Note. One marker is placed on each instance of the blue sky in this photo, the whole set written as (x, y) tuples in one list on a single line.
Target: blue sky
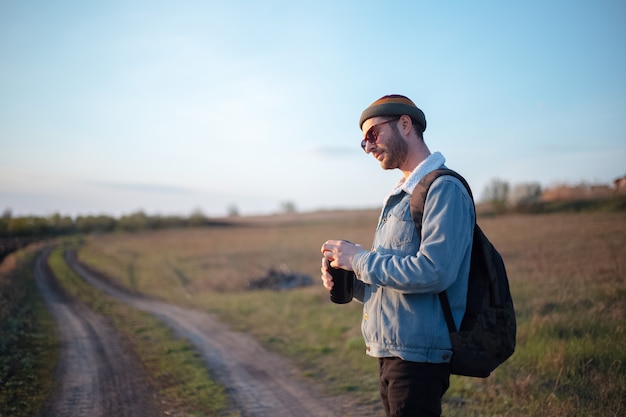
[(170, 107)]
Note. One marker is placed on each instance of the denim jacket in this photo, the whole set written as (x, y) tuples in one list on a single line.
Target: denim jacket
[(398, 280)]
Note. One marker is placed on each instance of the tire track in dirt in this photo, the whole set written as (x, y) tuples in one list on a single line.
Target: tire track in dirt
[(261, 384), (96, 375)]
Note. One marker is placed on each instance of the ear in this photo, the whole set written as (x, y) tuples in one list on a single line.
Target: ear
[(406, 124)]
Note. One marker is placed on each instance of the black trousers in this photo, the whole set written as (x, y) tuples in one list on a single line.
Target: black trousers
[(412, 389)]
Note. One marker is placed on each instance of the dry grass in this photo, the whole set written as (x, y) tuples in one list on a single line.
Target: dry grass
[(568, 279), (223, 259)]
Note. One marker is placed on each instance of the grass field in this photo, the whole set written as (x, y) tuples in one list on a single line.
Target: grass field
[(568, 279)]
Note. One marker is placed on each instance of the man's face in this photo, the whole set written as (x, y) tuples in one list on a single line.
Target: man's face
[(385, 142)]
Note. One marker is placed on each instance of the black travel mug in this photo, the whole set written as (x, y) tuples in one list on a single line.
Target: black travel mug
[(341, 293)]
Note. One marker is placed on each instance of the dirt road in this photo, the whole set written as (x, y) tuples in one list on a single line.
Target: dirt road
[(260, 383), (96, 375)]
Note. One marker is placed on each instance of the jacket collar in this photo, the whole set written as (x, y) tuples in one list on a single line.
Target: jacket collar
[(432, 162)]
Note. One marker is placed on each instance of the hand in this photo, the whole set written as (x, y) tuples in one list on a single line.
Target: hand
[(340, 253), (327, 279)]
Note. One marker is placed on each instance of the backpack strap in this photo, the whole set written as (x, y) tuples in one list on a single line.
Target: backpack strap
[(418, 197), (447, 311), (418, 200)]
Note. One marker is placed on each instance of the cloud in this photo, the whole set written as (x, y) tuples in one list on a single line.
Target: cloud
[(143, 187), (333, 151)]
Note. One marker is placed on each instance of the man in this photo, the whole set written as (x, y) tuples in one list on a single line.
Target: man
[(398, 280)]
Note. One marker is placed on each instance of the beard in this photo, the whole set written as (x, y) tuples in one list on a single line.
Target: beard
[(396, 151)]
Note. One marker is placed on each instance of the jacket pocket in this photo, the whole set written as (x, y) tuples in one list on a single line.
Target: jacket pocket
[(399, 230)]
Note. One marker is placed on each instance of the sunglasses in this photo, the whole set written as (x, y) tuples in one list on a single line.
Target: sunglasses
[(372, 133)]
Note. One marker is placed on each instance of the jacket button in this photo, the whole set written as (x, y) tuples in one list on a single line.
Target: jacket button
[(365, 316), (446, 357), (367, 348)]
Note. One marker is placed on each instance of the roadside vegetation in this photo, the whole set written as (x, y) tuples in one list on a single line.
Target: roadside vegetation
[(28, 348)]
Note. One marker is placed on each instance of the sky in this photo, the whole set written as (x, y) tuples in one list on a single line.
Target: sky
[(173, 107)]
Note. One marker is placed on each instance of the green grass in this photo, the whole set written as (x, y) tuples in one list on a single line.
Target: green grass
[(178, 371), (568, 279), (28, 346)]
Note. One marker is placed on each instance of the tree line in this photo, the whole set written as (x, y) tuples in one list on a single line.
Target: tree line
[(498, 194), (502, 197), (58, 225)]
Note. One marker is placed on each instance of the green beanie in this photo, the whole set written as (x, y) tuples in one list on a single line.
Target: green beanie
[(394, 105)]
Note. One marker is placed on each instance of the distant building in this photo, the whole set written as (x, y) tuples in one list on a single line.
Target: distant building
[(619, 185), (583, 191), (577, 192)]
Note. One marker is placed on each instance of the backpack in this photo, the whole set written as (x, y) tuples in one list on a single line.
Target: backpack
[(486, 337)]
